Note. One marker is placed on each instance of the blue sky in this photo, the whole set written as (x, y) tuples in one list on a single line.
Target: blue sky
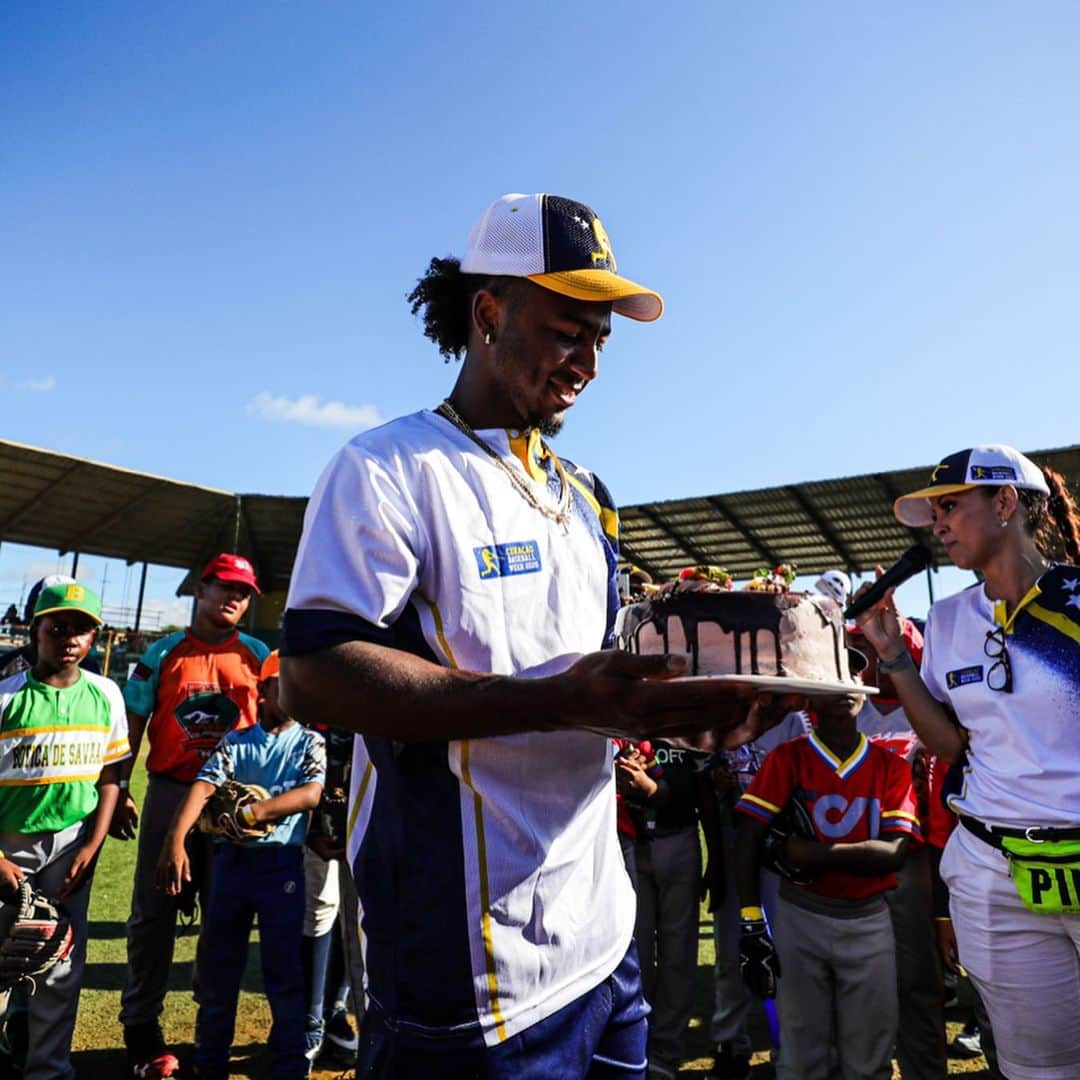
[(863, 219)]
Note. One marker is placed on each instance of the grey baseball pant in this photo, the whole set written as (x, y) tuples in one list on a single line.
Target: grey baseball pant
[(151, 927), (837, 990), (669, 882), (45, 859)]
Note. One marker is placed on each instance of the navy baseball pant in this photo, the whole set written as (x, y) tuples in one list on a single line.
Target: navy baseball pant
[(263, 881)]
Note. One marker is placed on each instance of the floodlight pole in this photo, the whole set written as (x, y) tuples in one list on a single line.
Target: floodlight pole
[(142, 592)]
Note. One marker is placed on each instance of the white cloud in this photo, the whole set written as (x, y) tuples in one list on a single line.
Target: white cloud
[(39, 386), (307, 409), (175, 612)]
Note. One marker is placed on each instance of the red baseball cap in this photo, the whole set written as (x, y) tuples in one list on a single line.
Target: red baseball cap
[(226, 567)]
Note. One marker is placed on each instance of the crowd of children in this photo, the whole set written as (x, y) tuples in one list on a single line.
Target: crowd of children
[(843, 994), (823, 837), (207, 701), (836, 931)]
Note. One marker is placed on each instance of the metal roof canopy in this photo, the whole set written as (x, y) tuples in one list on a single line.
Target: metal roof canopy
[(53, 500), (845, 523)]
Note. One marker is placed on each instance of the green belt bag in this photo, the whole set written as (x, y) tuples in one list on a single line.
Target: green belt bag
[(1046, 873)]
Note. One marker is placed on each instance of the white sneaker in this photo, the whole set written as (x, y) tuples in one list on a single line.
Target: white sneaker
[(968, 1044)]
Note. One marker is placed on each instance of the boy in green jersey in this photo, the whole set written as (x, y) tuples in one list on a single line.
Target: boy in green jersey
[(62, 732)]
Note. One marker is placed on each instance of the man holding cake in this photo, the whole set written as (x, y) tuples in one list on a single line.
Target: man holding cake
[(454, 585)]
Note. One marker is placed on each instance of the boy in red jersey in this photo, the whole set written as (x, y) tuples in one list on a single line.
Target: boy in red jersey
[(834, 949), (188, 691)]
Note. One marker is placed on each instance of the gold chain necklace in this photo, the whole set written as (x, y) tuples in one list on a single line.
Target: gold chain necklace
[(561, 516)]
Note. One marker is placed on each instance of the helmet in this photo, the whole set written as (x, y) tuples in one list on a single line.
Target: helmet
[(46, 582), (834, 584)]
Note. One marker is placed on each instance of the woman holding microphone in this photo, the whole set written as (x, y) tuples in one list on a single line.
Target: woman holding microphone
[(998, 695)]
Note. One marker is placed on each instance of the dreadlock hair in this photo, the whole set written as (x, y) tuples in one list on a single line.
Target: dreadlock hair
[(445, 294), (1053, 520)]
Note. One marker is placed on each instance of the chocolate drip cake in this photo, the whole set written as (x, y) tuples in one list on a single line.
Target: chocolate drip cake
[(786, 634)]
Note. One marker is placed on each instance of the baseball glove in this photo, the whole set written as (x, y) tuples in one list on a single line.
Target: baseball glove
[(331, 816), (221, 814), (792, 820), (39, 937)]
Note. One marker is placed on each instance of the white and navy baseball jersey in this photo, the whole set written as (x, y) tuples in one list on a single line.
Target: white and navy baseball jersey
[(1023, 751), (491, 883)]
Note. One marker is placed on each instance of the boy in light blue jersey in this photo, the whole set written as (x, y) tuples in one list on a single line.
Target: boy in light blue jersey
[(262, 876)]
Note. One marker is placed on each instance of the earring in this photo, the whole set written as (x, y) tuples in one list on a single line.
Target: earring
[(487, 338), (1004, 523)]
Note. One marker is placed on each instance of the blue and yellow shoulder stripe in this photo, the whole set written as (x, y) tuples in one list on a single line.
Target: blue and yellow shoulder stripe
[(1058, 601)]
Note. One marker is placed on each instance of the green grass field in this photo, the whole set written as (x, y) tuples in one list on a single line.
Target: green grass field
[(98, 1046)]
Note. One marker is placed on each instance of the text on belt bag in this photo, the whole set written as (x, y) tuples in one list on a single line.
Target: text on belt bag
[(1046, 874)]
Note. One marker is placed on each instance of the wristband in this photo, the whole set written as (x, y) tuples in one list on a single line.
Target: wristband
[(751, 914), (247, 816), (899, 664)]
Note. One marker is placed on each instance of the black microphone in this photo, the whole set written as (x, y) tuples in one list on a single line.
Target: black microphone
[(913, 560)]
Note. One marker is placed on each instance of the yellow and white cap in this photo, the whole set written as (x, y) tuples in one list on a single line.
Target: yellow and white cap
[(980, 466), (559, 244)]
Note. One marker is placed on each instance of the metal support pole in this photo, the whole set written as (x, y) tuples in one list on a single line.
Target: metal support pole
[(142, 592), (930, 583), (75, 565)]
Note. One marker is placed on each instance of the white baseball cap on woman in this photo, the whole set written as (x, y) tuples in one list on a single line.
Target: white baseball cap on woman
[(979, 466)]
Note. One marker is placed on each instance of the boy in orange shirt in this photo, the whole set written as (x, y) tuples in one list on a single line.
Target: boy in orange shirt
[(189, 690)]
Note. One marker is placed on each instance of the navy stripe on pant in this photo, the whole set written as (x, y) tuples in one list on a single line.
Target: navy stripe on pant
[(263, 881)]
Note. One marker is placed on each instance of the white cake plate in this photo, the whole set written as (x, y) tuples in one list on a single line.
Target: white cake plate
[(780, 684)]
